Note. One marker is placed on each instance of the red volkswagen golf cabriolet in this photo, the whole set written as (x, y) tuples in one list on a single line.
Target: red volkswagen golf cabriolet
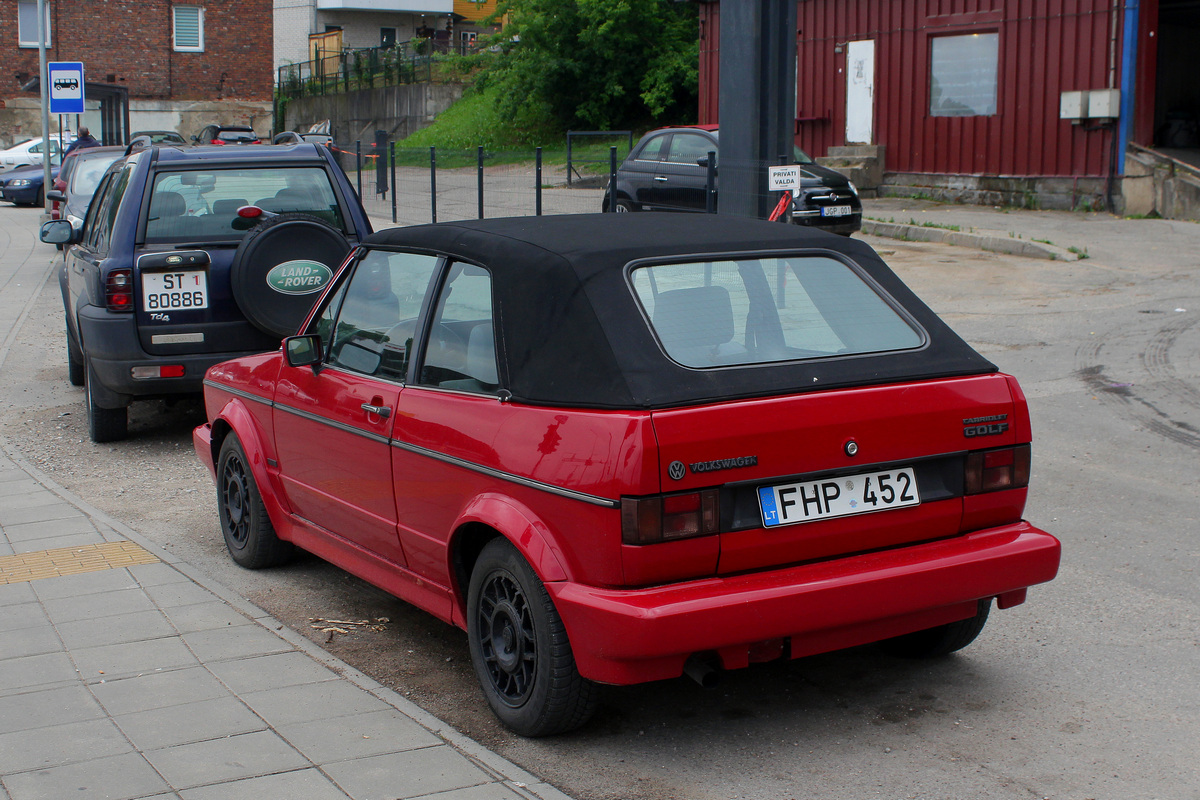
[(615, 448)]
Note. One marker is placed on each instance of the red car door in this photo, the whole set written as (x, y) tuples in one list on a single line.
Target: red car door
[(331, 431), (333, 424)]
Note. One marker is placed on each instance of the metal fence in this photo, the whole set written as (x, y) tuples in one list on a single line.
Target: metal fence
[(355, 69), (410, 186)]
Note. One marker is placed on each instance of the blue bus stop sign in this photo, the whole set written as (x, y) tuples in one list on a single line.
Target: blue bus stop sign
[(66, 87)]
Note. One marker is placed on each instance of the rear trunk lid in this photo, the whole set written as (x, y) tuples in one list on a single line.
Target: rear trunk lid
[(824, 474)]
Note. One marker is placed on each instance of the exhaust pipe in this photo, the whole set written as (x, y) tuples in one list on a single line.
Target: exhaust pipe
[(702, 671)]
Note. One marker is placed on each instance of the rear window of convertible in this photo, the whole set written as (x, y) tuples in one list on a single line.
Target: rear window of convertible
[(762, 310), (202, 204)]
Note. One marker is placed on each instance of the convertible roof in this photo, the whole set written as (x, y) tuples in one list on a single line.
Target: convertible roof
[(572, 333)]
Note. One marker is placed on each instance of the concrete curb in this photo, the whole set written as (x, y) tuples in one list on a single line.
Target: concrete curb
[(995, 242)]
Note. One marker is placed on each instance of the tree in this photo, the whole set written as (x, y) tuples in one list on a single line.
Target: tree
[(600, 64)]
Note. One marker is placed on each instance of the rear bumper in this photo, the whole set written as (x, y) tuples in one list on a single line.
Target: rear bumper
[(636, 635), (113, 349)]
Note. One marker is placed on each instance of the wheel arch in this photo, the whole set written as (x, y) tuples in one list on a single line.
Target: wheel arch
[(237, 420), (488, 517)]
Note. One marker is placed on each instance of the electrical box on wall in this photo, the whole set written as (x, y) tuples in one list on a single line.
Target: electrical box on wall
[(1104, 104), (1073, 105)]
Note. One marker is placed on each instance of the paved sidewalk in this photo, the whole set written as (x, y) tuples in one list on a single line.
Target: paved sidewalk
[(126, 674), (122, 675)]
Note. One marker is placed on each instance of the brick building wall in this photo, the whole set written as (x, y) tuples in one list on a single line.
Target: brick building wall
[(129, 43)]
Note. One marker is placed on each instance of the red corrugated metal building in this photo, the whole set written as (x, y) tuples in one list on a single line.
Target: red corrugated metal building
[(953, 89)]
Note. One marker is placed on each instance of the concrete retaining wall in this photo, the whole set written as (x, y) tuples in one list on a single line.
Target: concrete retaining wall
[(355, 116)]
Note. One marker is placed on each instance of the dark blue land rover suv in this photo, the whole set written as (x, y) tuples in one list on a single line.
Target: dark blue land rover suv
[(190, 256)]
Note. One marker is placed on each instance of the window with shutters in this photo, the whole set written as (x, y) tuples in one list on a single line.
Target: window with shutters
[(189, 28)]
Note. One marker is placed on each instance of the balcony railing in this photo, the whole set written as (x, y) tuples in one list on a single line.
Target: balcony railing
[(348, 70)]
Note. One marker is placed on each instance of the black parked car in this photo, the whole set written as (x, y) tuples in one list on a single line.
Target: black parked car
[(227, 134), (192, 256), (668, 171)]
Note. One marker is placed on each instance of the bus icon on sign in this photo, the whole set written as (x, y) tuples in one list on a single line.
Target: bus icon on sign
[(66, 84)]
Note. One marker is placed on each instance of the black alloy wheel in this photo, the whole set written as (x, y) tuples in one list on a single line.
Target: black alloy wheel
[(506, 638), (249, 535), (520, 650)]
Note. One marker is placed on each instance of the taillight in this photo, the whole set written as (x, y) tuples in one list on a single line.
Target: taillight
[(118, 290), (217, 141), (994, 470), (665, 518)]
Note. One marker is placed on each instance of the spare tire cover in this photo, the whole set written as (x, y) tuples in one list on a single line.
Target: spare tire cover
[(281, 267)]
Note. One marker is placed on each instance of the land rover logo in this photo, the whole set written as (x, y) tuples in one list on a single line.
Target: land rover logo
[(299, 277), (174, 259), (676, 470)]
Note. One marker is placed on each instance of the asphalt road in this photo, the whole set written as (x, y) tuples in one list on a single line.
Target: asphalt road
[(1089, 690)]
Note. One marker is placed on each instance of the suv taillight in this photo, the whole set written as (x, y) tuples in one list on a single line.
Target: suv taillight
[(665, 518), (118, 290), (994, 470)]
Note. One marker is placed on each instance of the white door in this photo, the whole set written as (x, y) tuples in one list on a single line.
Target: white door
[(860, 91)]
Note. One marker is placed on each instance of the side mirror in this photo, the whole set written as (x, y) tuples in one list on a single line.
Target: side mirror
[(58, 231), (56, 195), (302, 351)]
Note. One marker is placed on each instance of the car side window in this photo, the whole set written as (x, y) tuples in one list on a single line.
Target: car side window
[(688, 148), (652, 151), (376, 313), (108, 212), (102, 214), (461, 352), (93, 213)]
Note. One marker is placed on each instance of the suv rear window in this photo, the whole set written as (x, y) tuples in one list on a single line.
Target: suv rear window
[(236, 137), (199, 205), (762, 310)]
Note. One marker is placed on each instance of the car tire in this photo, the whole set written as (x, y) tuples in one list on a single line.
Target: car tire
[(75, 367), (623, 206), (278, 240), (40, 201), (104, 424), (942, 640), (249, 535), (520, 650)]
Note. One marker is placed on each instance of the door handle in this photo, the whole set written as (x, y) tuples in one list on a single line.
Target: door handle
[(660, 178), (383, 411)]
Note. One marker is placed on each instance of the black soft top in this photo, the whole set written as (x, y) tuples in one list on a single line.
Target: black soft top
[(571, 331)]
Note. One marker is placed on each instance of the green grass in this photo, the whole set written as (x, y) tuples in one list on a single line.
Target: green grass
[(474, 120)]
